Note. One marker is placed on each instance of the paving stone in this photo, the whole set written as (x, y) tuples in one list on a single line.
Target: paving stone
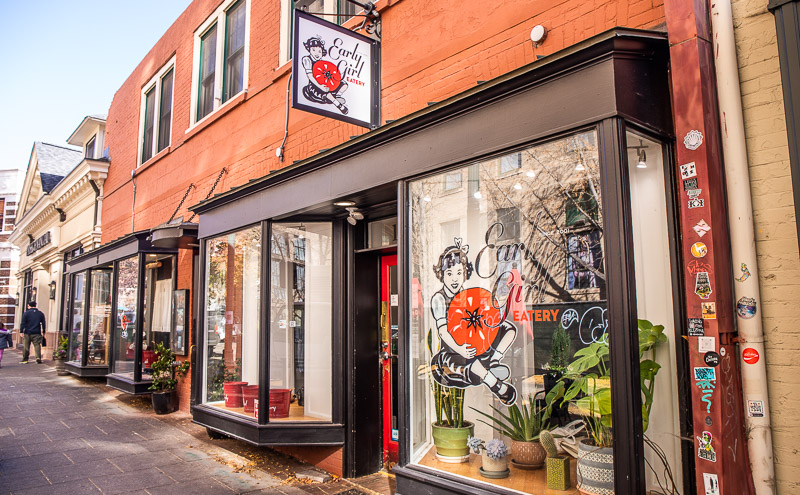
[(138, 462), (13, 452), (186, 471), (189, 455), (82, 471), (241, 481), (313, 475), (32, 463), (22, 480), (136, 480), (59, 446), (203, 486), (81, 487)]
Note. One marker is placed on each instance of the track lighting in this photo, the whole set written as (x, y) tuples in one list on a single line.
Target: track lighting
[(354, 215)]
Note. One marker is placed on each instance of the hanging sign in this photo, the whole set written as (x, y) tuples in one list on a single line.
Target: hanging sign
[(336, 72)]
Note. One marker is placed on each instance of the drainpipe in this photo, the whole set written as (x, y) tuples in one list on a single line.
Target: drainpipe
[(743, 251), (96, 196), (133, 201)]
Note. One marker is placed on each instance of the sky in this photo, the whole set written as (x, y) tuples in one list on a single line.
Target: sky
[(64, 59)]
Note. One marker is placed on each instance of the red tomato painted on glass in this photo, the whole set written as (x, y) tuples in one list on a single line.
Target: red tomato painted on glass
[(326, 74), (472, 319), (750, 355)]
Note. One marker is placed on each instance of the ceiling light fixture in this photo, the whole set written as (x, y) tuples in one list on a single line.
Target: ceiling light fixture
[(354, 215), (530, 173), (344, 203), (579, 167), (517, 186), (641, 155)]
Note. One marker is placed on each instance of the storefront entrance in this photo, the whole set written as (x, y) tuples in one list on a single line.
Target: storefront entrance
[(388, 358)]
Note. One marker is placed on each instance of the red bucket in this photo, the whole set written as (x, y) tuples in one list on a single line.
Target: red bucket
[(233, 393), (249, 396), (279, 402)]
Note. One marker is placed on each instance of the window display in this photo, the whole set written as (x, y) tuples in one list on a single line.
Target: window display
[(127, 301), (76, 322), (158, 286), (301, 261), (509, 284), (99, 317), (232, 316)]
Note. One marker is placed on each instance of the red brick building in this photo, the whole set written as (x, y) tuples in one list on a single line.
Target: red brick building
[(522, 143)]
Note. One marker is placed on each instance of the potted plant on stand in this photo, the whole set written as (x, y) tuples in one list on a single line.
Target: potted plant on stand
[(494, 457), (590, 395), (523, 426), (60, 355), (165, 372)]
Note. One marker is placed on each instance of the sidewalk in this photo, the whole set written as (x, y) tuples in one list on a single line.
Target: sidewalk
[(65, 435)]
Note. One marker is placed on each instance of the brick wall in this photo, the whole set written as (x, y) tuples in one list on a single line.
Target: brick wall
[(776, 237)]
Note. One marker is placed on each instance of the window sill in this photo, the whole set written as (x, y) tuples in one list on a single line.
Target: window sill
[(153, 159), (215, 115)]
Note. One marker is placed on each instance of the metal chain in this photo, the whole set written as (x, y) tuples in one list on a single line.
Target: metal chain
[(214, 186), (181, 203)]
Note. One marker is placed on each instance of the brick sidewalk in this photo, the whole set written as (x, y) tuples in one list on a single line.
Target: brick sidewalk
[(65, 435)]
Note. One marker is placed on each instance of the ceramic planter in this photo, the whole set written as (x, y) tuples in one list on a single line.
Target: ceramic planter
[(595, 469), (528, 454), (451, 443), (493, 468), (558, 473), (60, 370), (165, 402)]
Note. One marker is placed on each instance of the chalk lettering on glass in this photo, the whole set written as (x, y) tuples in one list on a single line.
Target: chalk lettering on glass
[(591, 326)]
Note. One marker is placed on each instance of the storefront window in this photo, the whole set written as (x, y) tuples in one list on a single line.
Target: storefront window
[(99, 317), (232, 316), (508, 283), (76, 338), (654, 300), (301, 256), (158, 286), (125, 332)]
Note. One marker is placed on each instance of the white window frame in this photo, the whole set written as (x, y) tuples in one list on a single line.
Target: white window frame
[(330, 7), (218, 18), (155, 82), (93, 141)]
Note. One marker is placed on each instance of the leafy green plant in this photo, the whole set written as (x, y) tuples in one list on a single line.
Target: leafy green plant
[(590, 390), (166, 369), (448, 402), (523, 424), (560, 351), (62, 349)]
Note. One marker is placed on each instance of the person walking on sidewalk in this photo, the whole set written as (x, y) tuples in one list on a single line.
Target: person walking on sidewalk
[(5, 339), (33, 326)]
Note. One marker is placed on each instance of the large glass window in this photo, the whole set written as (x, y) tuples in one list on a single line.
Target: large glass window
[(99, 317), (232, 315), (300, 348), (208, 62), (157, 322), (127, 300), (76, 321), (234, 51), (156, 124), (506, 291)]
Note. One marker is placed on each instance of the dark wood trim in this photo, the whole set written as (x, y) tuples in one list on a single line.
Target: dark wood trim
[(199, 341), (137, 355), (265, 331), (112, 339), (419, 480), (787, 27), (626, 395), (124, 384), (86, 371), (339, 320), (403, 330)]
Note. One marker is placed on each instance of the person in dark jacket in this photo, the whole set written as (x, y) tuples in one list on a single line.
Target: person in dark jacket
[(33, 327), (5, 339)]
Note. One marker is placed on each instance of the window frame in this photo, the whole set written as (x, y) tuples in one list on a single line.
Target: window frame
[(155, 84), (287, 24), (91, 142), (219, 19)]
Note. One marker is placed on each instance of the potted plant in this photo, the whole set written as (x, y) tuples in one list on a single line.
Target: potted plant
[(60, 355), (494, 457), (590, 394), (557, 465), (165, 372), (450, 431), (554, 371), (523, 426)]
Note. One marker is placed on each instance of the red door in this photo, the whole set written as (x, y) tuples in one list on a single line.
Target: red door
[(388, 355)]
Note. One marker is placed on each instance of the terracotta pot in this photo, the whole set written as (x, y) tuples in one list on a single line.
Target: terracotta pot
[(595, 471), (451, 443), (530, 454)]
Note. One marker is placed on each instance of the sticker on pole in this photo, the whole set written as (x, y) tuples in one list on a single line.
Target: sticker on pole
[(705, 449), (755, 408), (693, 140), (711, 484), (746, 307), (750, 355)]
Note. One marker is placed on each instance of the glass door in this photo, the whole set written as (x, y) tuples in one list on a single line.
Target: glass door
[(388, 357)]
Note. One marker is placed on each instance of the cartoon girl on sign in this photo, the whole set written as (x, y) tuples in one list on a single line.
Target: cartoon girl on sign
[(325, 84), (472, 331)]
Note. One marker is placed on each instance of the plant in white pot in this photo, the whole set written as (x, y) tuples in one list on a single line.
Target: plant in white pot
[(590, 395), (494, 457)]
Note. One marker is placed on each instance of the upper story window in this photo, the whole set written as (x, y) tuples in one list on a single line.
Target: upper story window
[(221, 46), (339, 12), (156, 120), (89, 148)]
